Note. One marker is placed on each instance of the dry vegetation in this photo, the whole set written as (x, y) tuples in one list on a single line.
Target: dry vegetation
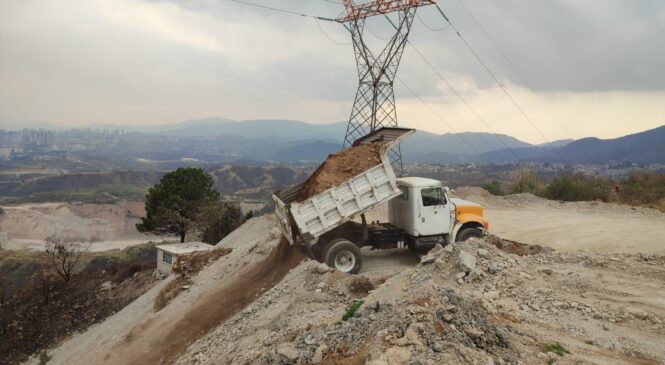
[(640, 188), (40, 305)]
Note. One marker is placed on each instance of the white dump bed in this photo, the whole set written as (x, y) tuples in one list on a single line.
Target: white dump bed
[(307, 220)]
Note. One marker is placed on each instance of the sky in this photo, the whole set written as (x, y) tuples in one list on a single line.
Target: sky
[(592, 68)]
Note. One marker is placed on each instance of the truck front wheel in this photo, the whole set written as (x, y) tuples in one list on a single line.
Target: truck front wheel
[(344, 256), (467, 233)]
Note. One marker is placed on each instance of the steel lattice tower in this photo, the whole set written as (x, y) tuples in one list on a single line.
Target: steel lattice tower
[(374, 104)]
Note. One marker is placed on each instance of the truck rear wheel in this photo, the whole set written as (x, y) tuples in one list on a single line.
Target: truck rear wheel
[(344, 256), (467, 233)]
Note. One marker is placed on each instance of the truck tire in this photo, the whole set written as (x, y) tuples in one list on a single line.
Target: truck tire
[(467, 233), (344, 256)]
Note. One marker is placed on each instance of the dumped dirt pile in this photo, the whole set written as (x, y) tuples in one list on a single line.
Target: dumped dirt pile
[(516, 248), (190, 265), (207, 313), (341, 166)]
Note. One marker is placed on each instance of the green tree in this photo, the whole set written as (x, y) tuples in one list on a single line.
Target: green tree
[(494, 187), (178, 203)]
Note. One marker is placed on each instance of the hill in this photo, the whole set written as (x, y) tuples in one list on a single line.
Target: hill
[(644, 148), (225, 140), (647, 147)]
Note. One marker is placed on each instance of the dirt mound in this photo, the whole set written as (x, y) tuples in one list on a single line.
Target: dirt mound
[(517, 248), (215, 307), (341, 166), (190, 265)]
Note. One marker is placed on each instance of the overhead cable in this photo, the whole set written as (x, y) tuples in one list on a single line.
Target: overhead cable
[(512, 65), (459, 96), (283, 10), (503, 88), (444, 121)]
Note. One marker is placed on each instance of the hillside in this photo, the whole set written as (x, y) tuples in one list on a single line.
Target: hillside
[(467, 303)]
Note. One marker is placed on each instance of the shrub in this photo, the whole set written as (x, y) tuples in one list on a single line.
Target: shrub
[(44, 358), (527, 182), (643, 188), (555, 347), (494, 187), (578, 187), (352, 309)]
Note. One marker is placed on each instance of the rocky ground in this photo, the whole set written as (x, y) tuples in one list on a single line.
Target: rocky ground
[(466, 303)]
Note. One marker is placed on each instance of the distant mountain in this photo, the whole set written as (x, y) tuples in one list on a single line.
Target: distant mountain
[(646, 147), (220, 139), (467, 143), (310, 151)]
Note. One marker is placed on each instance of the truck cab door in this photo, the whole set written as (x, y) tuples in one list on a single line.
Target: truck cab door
[(434, 212)]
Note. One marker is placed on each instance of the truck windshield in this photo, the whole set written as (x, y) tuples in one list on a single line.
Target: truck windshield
[(433, 196)]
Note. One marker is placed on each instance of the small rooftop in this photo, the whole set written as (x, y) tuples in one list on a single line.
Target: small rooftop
[(184, 248)]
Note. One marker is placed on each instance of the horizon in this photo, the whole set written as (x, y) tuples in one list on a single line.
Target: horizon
[(166, 61), (115, 126)]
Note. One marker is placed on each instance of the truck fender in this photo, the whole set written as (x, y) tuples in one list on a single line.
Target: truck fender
[(468, 222)]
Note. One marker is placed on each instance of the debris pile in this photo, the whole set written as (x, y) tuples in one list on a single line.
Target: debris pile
[(465, 303)]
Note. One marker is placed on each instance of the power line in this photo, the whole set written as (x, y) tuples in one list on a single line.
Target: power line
[(375, 35), (328, 36), (459, 96), (460, 136), (503, 88), (512, 65), (283, 10), (431, 28)]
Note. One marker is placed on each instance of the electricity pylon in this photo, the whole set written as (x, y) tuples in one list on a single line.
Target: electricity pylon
[(374, 105)]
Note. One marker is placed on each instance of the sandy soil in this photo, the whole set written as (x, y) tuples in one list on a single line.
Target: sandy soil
[(596, 227), (107, 226)]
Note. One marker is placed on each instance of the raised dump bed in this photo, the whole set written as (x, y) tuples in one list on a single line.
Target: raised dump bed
[(303, 219)]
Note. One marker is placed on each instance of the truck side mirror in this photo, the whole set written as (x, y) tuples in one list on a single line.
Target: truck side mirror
[(446, 189)]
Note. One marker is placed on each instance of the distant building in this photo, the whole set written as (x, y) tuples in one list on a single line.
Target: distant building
[(168, 254)]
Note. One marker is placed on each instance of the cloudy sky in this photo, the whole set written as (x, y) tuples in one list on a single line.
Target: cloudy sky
[(596, 66)]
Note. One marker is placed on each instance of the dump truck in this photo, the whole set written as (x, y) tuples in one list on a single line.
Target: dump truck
[(421, 213)]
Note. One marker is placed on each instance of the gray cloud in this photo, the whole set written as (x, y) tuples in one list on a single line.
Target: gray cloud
[(123, 60)]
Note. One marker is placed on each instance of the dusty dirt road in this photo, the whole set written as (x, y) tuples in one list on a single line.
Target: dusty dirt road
[(596, 227)]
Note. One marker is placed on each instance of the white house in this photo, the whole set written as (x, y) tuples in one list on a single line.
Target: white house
[(167, 254)]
